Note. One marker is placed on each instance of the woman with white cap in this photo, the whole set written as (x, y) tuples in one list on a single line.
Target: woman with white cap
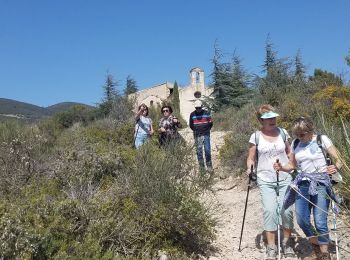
[(265, 147)]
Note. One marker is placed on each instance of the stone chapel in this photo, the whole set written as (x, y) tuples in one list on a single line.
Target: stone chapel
[(187, 94)]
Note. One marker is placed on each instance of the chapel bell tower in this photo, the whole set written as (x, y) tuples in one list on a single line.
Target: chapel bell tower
[(197, 81)]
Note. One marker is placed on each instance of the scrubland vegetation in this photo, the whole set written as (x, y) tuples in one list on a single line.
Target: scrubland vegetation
[(83, 192), (73, 186), (324, 97)]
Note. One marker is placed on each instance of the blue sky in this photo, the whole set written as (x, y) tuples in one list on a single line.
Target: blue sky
[(54, 51)]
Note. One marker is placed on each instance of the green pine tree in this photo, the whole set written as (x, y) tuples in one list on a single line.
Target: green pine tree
[(110, 94), (131, 86), (221, 80), (323, 78), (347, 59), (277, 81), (299, 67), (239, 93)]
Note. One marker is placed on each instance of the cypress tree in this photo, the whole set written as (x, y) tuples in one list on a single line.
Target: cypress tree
[(176, 99)]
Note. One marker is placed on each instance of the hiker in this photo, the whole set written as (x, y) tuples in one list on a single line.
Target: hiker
[(143, 127), (313, 183), (168, 126), (201, 123), (265, 146)]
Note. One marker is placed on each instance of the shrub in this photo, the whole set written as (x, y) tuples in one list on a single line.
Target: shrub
[(75, 114), (90, 202), (334, 101), (234, 152)]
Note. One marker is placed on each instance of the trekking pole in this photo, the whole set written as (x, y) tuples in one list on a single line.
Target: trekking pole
[(335, 229), (137, 131), (329, 162), (252, 177), (278, 214)]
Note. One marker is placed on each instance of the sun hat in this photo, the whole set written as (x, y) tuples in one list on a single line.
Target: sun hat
[(269, 114), (198, 103)]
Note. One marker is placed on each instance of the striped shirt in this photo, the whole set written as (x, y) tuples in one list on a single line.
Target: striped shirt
[(201, 122)]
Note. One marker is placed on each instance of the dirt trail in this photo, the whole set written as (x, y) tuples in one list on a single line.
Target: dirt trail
[(229, 196)]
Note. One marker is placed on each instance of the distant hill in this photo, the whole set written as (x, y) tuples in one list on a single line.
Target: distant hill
[(60, 107), (15, 109)]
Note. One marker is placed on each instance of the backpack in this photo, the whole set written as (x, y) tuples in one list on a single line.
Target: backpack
[(257, 137), (334, 179)]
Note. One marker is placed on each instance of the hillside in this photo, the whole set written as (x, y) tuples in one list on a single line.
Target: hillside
[(63, 106), (15, 109)]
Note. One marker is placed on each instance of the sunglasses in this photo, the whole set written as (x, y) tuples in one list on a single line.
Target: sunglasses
[(165, 110)]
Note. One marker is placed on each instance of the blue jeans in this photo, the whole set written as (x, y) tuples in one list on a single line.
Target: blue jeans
[(200, 142), (303, 211), (140, 139), (269, 201)]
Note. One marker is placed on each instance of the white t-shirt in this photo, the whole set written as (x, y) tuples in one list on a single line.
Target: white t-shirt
[(309, 156), (268, 153), (143, 126)]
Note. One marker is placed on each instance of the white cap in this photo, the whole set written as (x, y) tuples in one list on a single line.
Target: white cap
[(198, 103)]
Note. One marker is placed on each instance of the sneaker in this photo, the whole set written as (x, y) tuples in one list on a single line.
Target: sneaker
[(311, 256), (288, 250), (210, 170), (271, 253), (324, 256)]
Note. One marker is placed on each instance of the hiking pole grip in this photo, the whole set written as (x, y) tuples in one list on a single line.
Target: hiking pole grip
[(252, 175)]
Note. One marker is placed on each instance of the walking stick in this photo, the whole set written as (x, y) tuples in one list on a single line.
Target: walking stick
[(137, 131), (335, 229), (278, 214), (252, 177), (329, 162)]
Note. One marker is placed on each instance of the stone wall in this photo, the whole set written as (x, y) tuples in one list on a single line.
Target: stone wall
[(152, 95), (161, 92)]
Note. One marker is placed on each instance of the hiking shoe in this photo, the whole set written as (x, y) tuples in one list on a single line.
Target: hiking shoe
[(210, 170), (271, 253), (311, 256), (288, 250), (324, 256)]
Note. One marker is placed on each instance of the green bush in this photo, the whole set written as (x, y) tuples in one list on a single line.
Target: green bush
[(94, 197), (234, 152), (75, 114)]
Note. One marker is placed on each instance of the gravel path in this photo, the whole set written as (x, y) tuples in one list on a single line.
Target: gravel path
[(229, 195)]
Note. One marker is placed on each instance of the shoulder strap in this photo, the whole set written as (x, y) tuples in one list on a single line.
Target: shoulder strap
[(283, 134), (296, 142), (319, 143), (257, 137)]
